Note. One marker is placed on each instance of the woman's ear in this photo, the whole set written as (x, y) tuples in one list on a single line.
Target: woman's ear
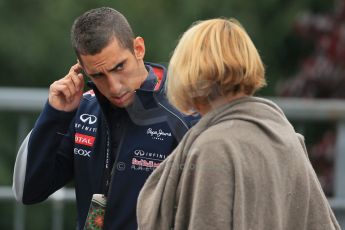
[(139, 48)]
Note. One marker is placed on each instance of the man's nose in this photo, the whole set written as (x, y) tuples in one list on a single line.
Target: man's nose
[(114, 84)]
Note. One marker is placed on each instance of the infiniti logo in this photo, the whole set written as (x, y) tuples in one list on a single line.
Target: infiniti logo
[(139, 152), (91, 119), (149, 155)]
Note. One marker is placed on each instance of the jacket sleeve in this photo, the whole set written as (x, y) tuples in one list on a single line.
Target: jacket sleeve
[(44, 161), (206, 190)]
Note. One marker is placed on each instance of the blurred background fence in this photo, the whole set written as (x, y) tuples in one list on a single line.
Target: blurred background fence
[(23, 103)]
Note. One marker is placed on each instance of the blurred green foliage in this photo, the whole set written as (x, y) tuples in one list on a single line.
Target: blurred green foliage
[(35, 50)]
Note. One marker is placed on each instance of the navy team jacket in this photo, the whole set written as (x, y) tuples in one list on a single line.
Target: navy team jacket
[(64, 147)]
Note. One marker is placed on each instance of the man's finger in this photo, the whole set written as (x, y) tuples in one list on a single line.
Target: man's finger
[(61, 89), (78, 81)]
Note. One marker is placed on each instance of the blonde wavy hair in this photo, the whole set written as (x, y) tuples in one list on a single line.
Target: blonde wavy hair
[(214, 58)]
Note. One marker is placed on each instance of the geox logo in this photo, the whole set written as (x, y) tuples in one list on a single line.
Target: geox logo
[(82, 152)]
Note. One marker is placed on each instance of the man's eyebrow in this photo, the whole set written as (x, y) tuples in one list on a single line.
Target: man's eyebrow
[(95, 75), (123, 61)]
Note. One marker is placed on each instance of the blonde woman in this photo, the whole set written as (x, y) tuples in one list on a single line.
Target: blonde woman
[(242, 166)]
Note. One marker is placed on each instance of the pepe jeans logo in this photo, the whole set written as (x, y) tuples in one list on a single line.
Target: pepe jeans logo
[(87, 118), (157, 134)]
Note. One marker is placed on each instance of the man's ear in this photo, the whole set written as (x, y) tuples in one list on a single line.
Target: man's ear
[(139, 48)]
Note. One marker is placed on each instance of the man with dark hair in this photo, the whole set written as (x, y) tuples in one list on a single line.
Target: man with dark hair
[(107, 140)]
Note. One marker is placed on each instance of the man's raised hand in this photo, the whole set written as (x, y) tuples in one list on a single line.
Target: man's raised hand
[(65, 94)]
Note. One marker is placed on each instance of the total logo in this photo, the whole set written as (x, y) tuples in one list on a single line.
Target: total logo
[(82, 152), (82, 139)]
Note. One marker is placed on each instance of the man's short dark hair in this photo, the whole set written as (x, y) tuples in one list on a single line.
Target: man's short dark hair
[(94, 29)]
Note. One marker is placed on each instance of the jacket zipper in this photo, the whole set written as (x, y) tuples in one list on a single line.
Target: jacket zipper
[(112, 172)]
